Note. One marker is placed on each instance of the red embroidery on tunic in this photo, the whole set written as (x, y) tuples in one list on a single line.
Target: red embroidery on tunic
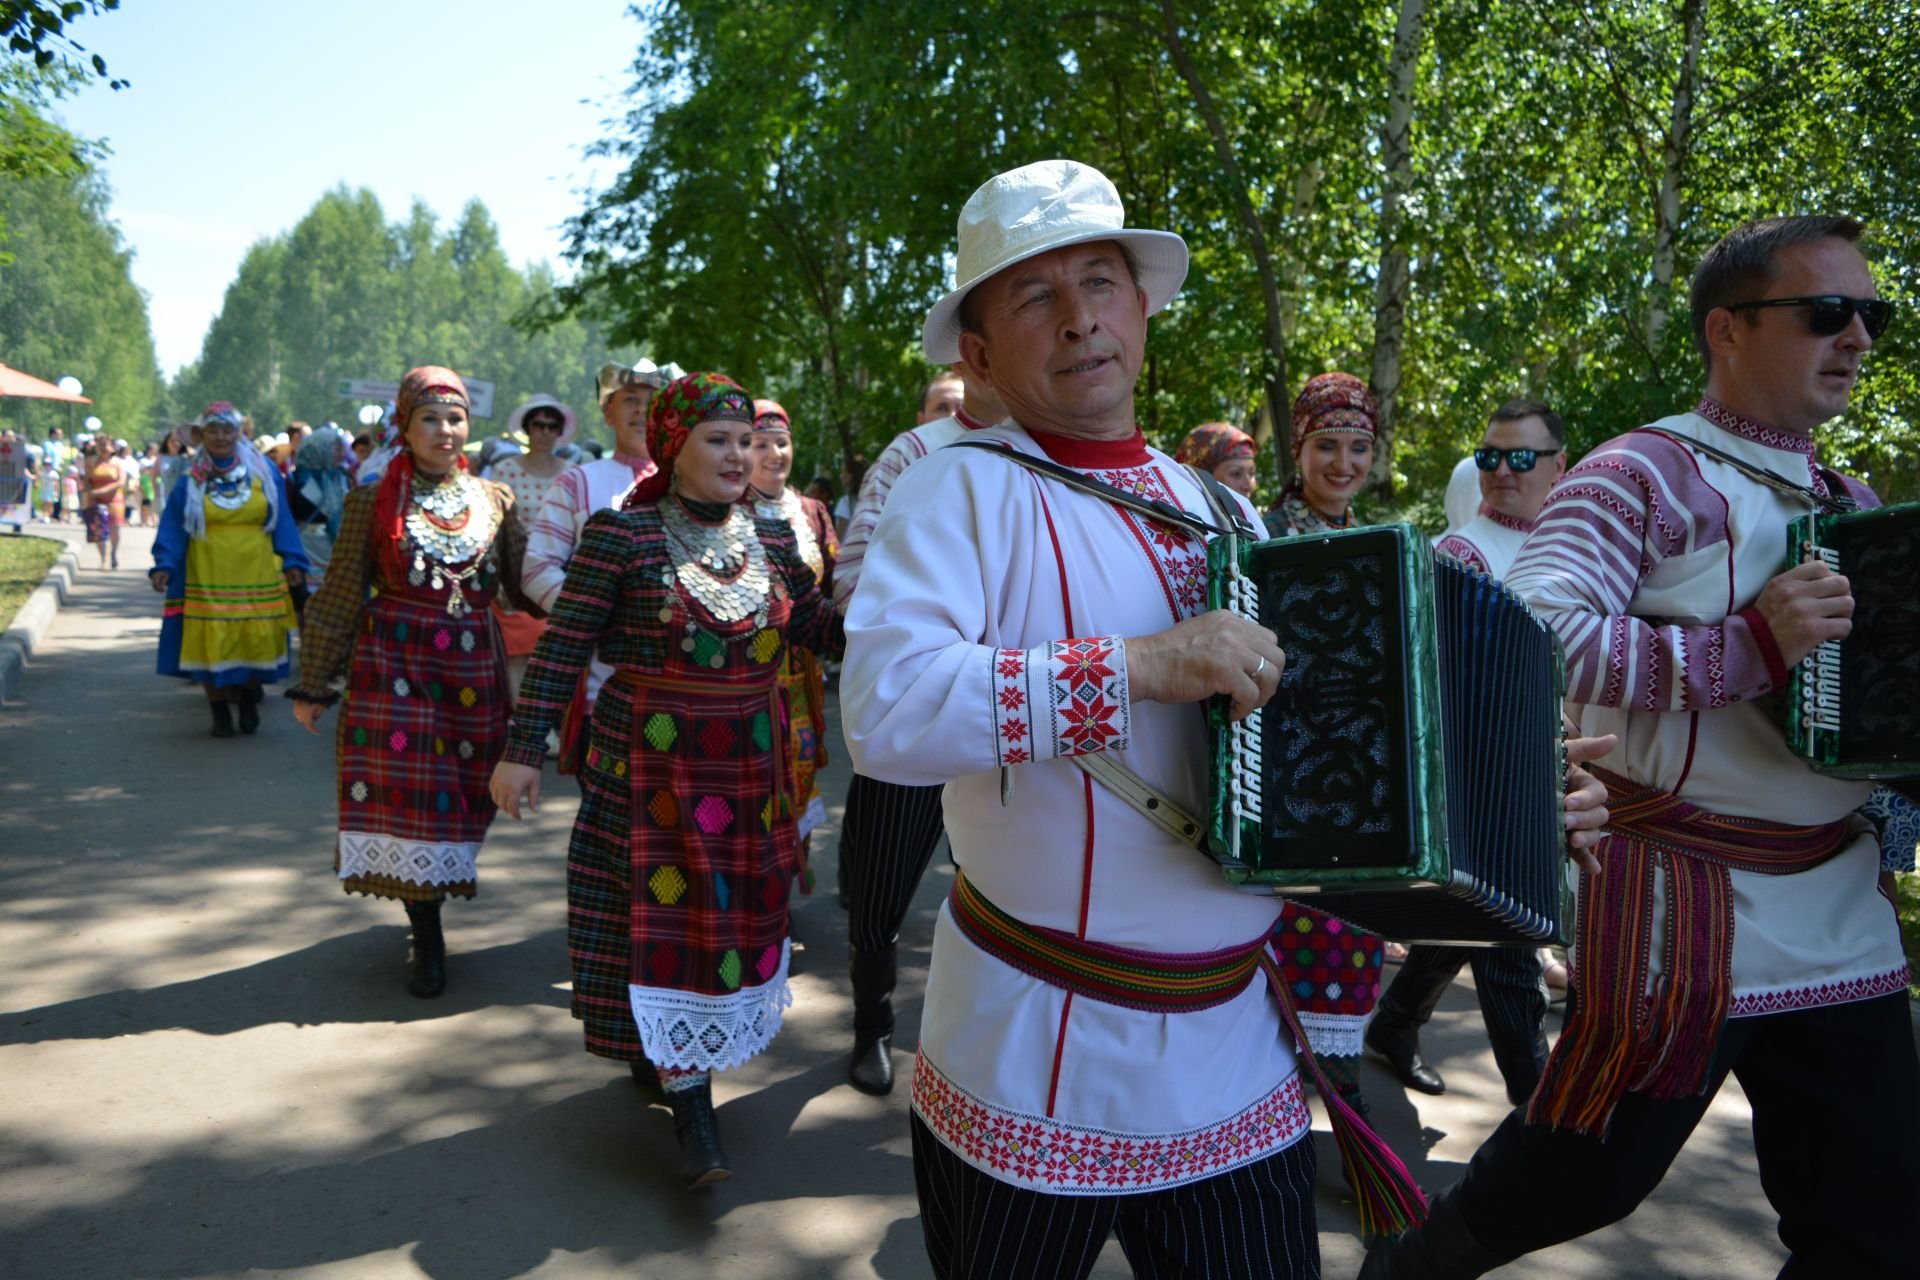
[(1048, 1155), (1087, 700), (1825, 993)]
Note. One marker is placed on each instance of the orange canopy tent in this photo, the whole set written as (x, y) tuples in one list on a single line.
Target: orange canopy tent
[(26, 386)]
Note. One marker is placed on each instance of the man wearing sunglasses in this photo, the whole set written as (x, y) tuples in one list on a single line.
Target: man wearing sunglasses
[(1519, 459), (1738, 925)]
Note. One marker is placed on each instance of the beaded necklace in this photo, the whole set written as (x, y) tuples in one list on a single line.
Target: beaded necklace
[(723, 566), (450, 523)]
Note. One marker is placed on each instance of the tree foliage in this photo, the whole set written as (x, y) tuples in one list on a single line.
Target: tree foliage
[(793, 169), (38, 30), (345, 294)]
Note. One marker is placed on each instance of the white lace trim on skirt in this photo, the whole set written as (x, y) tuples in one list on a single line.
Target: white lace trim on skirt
[(689, 1031), (422, 862)]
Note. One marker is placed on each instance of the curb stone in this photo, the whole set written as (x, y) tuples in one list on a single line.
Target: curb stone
[(29, 626)]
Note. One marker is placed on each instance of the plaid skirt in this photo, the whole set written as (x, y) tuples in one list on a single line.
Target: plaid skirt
[(1333, 971), (678, 875), (423, 724)]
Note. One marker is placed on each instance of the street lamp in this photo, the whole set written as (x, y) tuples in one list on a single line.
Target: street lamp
[(70, 385)]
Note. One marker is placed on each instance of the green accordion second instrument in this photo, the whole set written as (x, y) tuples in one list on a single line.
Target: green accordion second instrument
[(1851, 703), (1408, 776)]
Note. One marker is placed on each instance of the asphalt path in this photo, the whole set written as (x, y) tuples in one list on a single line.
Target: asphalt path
[(211, 1068)]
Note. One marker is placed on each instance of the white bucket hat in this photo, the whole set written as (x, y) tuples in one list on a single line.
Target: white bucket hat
[(517, 420), (1032, 210)]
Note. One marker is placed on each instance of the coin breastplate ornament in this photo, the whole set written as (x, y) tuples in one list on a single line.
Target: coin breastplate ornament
[(450, 526)]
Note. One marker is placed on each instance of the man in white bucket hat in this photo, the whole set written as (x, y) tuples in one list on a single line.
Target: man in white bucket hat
[(1005, 625)]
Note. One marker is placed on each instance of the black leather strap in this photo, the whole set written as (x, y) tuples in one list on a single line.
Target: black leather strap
[(1841, 501), (1152, 508)]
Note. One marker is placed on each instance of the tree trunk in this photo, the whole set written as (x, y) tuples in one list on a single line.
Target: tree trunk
[(1390, 290), (1672, 162), (1275, 372)]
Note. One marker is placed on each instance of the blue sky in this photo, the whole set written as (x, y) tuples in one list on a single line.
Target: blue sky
[(240, 115)]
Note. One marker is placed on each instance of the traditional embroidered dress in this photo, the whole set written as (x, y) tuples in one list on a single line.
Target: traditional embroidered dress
[(982, 654), (425, 715), (228, 613), (1489, 542), (800, 671), (1646, 560)]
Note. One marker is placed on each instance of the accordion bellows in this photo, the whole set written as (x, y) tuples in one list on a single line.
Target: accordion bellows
[(1408, 774), (1850, 703)]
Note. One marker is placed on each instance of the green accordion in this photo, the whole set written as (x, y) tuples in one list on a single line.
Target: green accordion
[(1408, 775), (1851, 703)]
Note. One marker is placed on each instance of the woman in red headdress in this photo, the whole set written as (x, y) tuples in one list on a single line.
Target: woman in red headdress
[(425, 717), (1334, 425), (685, 848)]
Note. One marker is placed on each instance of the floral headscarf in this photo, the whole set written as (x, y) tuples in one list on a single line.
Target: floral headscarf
[(429, 384), (1333, 402), (319, 474), (679, 407), (1212, 443)]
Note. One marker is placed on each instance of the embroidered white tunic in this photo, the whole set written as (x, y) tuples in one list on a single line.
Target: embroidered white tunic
[(1643, 560), (1489, 542), (985, 646)]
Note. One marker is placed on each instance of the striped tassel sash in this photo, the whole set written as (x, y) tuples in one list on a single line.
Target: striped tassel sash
[(1162, 982), (1617, 1039)]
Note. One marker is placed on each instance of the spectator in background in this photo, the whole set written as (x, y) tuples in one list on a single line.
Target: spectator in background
[(1224, 452), (317, 493), (851, 477), (545, 424), (820, 489)]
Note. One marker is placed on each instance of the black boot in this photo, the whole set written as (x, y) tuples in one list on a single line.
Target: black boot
[(1441, 1248), (698, 1131), (222, 717), (871, 1070), (647, 1076), (250, 709), (1395, 1037), (427, 958), (1405, 1007)]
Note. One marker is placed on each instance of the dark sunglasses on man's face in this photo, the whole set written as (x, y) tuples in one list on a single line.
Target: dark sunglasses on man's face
[(1829, 313), (1518, 460), (546, 424)]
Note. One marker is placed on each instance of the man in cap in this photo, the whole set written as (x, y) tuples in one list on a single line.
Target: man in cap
[(1009, 631), (626, 393), (889, 832)]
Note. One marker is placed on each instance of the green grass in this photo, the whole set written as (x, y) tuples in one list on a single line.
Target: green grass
[(23, 563)]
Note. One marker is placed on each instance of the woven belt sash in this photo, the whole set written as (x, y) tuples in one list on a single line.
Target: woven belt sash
[(1162, 982), (1616, 1039)]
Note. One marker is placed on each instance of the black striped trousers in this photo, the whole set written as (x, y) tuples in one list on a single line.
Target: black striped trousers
[(887, 837), (1513, 1003), (1254, 1223)]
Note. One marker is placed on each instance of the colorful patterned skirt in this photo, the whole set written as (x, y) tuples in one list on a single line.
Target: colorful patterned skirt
[(422, 726), (805, 683), (1334, 972), (229, 623), (679, 872)]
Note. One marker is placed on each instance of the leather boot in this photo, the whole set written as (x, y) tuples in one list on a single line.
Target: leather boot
[(647, 1076), (1441, 1248), (871, 1070), (427, 958), (249, 709), (222, 717), (697, 1130), (1394, 1037)]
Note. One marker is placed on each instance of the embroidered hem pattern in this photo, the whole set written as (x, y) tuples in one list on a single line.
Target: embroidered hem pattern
[(422, 862), (1042, 1154), (1748, 1004), (1335, 1035), (1063, 698), (687, 1031)]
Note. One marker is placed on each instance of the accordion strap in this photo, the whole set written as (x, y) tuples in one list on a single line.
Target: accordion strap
[(1841, 500), (1151, 508), (1141, 794)]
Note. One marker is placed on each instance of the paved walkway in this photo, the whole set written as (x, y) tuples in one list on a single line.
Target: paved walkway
[(211, 1068)]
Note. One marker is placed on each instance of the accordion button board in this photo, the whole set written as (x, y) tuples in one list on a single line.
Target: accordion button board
[(1851, 704), (1408, 774)]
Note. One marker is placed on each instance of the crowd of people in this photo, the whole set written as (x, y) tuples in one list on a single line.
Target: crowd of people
[(1114, 1041)]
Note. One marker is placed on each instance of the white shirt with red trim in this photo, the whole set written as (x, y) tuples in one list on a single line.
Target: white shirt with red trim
[(905, 449), (1490, 542), (984, 647)]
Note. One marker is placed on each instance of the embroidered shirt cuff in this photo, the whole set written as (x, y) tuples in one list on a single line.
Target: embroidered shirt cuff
[(1062, 698), (1768, 647)]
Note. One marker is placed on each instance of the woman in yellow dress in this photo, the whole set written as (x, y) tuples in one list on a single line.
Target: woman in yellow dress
[(225, 557)]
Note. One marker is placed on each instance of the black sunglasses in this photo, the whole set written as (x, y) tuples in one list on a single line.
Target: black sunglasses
[(546, 424), (1519, 461), (1829, 313)]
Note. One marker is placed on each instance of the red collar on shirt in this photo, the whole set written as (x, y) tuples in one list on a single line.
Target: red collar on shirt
[(1505, 521), (1093, 455), (968, 421), (633, 460), (1750, 429)]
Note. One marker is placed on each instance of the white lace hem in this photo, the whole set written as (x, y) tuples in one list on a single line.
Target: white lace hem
[(422, 862), (687, 1031), (1335, 1035)]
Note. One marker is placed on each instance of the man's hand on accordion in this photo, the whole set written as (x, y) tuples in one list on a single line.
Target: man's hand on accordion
[(1218, 652), (1805, 607), (1586, 802)]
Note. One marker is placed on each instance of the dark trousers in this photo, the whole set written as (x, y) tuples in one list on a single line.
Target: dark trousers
[(1836, 1127), (1513, 1003), (887, 837), (1254, 1223)]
